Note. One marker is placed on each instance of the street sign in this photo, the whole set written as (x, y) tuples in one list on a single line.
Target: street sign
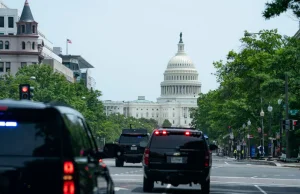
[(238, 148), (293, 112)]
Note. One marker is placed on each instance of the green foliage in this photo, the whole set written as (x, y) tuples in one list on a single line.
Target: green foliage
[(250, 80), (50, 86), (167, 123), (277, 7)]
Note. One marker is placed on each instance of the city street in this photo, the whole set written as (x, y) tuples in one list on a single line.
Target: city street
[(228, 177)]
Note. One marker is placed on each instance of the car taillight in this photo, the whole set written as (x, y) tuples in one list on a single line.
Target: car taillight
[(156, 132), (146, 156), (187, 133), (164, 132), (206, 159), (68, 167), (69, 185)]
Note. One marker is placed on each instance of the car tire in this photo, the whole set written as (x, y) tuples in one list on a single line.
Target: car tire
[(148, 185), (119, 163), (205, 187)]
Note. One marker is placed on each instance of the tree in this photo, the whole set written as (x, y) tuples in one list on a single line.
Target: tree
[(249, 80), (277, 7), (166, 123)]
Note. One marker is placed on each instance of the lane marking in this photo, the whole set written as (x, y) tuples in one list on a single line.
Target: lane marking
[(168, 187), (247, 184), (260, 189), (226, 163)]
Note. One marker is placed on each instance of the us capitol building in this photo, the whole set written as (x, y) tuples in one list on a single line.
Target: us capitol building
[(179, 93)]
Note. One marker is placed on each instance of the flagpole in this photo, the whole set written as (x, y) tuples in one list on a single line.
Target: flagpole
[(67, 47)]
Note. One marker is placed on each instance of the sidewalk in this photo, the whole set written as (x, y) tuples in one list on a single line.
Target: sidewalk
[(275, 162)]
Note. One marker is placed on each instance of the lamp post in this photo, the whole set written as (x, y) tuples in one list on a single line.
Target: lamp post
[(280, 130), (249, 123), (244, 128), (270, 108), (262, 114)]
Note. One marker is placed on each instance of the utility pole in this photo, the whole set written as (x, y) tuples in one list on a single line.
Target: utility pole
[(287, 116)]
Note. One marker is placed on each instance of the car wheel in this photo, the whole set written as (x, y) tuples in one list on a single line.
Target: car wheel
[(205, 187), (119, 163), (148, 185)]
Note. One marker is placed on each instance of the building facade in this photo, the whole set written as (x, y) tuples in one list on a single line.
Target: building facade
[(21, 43), (179, 93)]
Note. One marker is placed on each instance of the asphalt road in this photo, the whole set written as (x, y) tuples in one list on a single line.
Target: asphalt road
[(228, 177)]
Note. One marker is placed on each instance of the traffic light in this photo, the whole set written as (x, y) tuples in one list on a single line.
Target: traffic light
[(295, 124), (24, 90), (285, 124)]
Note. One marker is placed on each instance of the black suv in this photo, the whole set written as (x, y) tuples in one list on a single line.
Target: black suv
[(130, 146), (48, 149), (177, 156)]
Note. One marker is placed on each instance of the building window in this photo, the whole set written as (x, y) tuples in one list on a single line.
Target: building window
[(1, 44), (173, 122), (33, 46), (7, 67), (185, 122), (34, 63), (23, 29), (23, 45), (10, 22), (137, 115), (142, 114), (1, 22), (33, 29), (6, 45), (147, 114), (11, 34), (173, 114), (1, 66), (23, 64)]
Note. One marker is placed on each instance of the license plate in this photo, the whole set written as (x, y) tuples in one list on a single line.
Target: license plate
[(133, 148), (177, 160)]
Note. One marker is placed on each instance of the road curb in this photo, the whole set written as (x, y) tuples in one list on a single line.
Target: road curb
[(268, 163)]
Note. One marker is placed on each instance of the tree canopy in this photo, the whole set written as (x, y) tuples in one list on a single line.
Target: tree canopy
[(277, 7), (166, 123), (250, 80), (50, 87)]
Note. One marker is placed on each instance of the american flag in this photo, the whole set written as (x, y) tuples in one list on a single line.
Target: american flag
[(69, 41)]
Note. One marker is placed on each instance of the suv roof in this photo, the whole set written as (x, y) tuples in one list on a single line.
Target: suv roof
[(181, 129), (62, 108)]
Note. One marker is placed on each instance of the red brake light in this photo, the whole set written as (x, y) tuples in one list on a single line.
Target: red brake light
[(24, 89), (156, 132), (100, 160), (68, 167), (3, 108), (164, 133), (69, 187), (146, 156), (187, 133), (206, 160)]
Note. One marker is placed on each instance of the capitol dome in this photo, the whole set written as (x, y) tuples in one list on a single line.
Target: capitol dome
[(180, 77)]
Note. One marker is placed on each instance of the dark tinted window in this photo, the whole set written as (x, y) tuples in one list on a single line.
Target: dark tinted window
[(30, 133), (10, 22), (1, 22), (78, 135), (177, 140), (129, 138)]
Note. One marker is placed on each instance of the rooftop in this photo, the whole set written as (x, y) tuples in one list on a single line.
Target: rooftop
[(82, 62)]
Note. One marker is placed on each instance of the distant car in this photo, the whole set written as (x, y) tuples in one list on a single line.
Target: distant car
[(177, 156), (130, 148), (48, 148)]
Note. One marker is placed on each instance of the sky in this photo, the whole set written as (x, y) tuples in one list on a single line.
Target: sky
[(129, 42)]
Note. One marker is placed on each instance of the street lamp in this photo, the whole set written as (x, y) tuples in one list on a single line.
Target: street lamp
[(270, 108), (249, 123), (280, 130), (262, 114), (244, 128)]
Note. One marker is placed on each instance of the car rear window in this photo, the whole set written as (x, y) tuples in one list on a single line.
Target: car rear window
[(133, 138), (29, 132), (172, 141)]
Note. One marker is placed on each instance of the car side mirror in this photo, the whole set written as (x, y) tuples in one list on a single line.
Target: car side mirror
[(143, 144), (213, 147), (111, 150)]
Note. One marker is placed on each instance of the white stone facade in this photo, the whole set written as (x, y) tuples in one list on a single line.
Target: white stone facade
[(9, 18), (179, 92)]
